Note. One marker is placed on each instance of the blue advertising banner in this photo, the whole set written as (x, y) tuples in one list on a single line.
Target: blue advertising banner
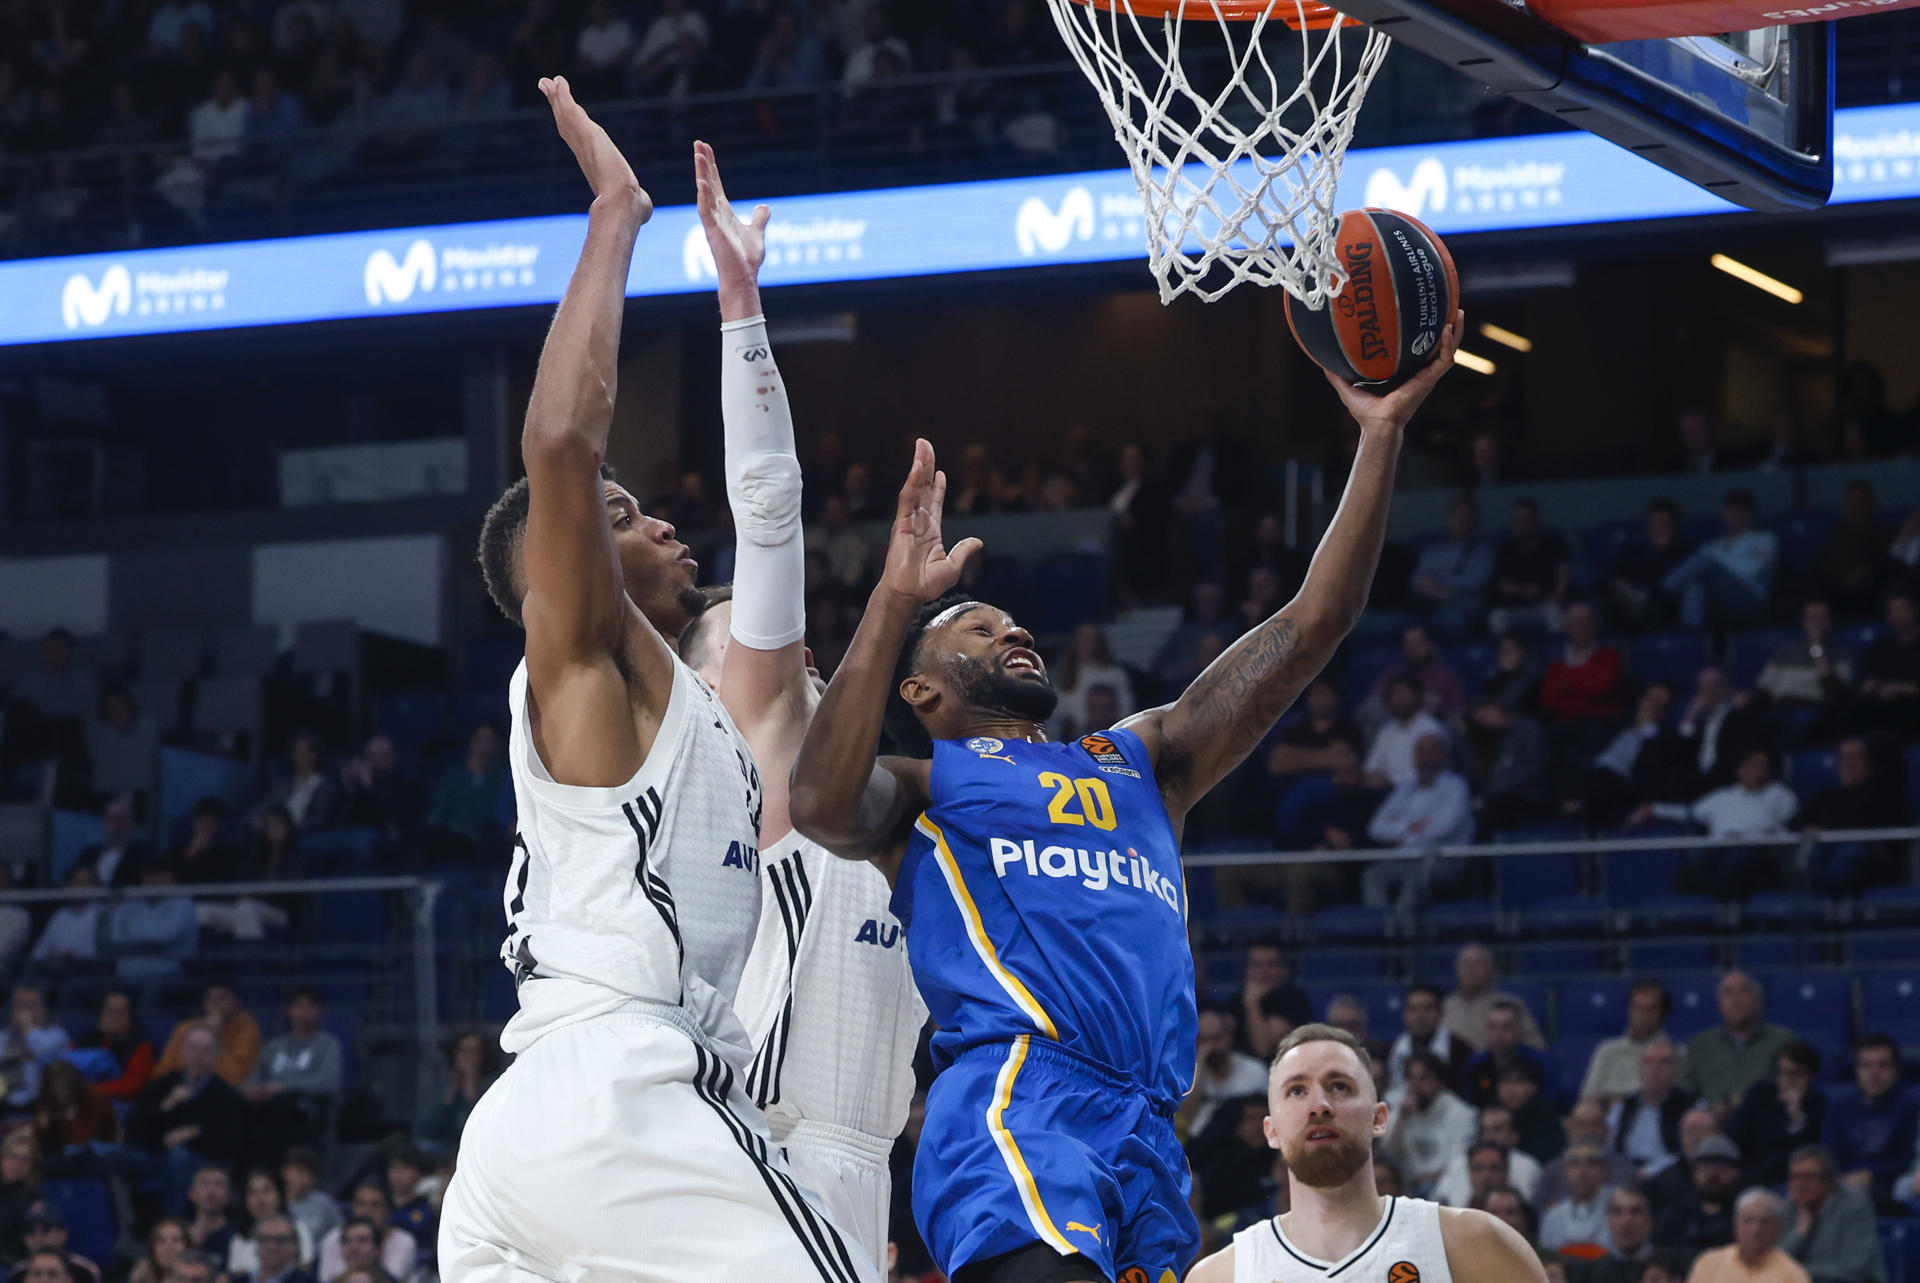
[(1494, 184)]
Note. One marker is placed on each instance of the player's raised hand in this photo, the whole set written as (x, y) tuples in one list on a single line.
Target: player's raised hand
[(1390, 412), (606, 170), (738, 247), (919, 565)]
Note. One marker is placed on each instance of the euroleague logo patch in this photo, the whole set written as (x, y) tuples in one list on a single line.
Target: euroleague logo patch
[(1403, 1272), (1105, 752)]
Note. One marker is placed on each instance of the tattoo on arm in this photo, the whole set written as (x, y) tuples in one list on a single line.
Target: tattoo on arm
[(1231, 706)]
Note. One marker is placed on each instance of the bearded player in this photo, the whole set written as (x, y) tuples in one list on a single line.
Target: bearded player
[(1041, 884), (1324, 1117)]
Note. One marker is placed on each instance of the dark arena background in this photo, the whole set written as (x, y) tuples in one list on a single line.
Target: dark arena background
[(1622, 760)]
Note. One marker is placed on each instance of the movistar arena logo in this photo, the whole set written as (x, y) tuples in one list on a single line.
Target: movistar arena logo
[(1433, 188), (1040, 228), (1095, 870), (424, 268), (806, 243), (87, 304)]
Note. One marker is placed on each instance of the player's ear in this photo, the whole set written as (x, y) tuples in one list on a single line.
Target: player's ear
[(1380, 1113), (1271, 1132), (918, 692)]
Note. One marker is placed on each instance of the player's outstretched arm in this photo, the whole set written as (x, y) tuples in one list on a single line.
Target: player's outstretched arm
[(1482, 1246), (1230, 707), (763, 679), (841, 796)]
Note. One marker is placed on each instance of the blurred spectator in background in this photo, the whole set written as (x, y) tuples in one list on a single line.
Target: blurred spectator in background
[(1506, 1203), (1450, 579), (1305, 752), (16, 925), (461, 817), (1646, 1126), (296, 1084), (1477, 989), (386, 1247), (1586, 1124), (189, 1117), (1872, 1129), (237, 1033), (310, 798), (32, 1040), (71, 937), (1832, 1233), (166, 1244), (1614, 1072), (1433, 809), (1508, 745), (1140, 509), (1441, 692), (602, 52), (1698, 452), (1633, 766), (1530, 575), (1270, 1003), (1630, 1233), (1424, 1031), (210, 1227), (1722, 1062), (20, 1185), (1701, 1215), (123, 744), (70, 1112), (1754, 1256), (277, 1248), (1346, 1011), (1231, 1159), (1586, 687), (1432, 1126), (846, 553), (472, 1065), (1727, 582), (1523, 1173), (1220, 1074), (1390, 757), (1852, 565), (1863, 797), (1260, 601), (119, 856), (1577, 1224), (45, 1236), (204, 854), (415, 1209), (1904, 551), (1809, 678), (1718, 726), (61, 687), (1777, 1116), (1206, 617), (1633, 592), (1755, 805), (1319, 813), (1088, 663), (1890, 675), (311, 1207), (672, 55), (376, 794), (1522, 1089), (1488, 1165), (122, 1038)]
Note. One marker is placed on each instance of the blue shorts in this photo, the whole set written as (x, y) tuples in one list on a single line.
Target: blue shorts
[(1025, 1143)]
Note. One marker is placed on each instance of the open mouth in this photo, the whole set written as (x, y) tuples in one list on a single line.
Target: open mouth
[(1021, 661), (1316, 1135)]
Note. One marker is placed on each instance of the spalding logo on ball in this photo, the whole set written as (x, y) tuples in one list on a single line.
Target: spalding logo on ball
[(1385, 325)]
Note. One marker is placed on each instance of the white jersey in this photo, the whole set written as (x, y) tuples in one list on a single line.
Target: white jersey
[(648, 890), (828, 997), (1405, 1247)]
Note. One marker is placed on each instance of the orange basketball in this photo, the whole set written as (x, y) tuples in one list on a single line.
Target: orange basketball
[(1401, 291)]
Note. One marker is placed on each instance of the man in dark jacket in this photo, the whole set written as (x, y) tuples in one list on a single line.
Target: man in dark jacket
[(279, 1246), (1873, 1129), (1703, 1217), (189, 1118)]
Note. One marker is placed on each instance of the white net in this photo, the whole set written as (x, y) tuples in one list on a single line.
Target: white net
[(1237, 175)]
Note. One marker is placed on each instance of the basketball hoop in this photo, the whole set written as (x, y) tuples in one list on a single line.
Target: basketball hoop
[(1247, 171)]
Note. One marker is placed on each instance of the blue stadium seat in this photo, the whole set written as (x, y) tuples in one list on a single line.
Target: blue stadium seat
[(1801, 535), (1573, 1053), (1556, 959), (1634, 877), (1779, 907), (490, 661), (1348, 922), (344, 1025), (1858, 637), (1676, 658), (1670, 911), (350, 916), (88, 1209), (1473, 663), (1531, 992), (1893, 1004), (1696, 1003), (501, 1001), (1764, 952), (1810, 1003), (1383, 1007), (1068, 587), (1459, 920), (1874, 948), (1362, 669), (1604, 541), (1748, 652), (1323, 965), (411, 719), (1814, 770), (1668, 955), (1890, 904), (1897, 1244), (1597, 1008), (1527, 880)]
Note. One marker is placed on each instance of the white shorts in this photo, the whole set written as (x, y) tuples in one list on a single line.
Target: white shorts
[(848, 1170), (621, 1148)]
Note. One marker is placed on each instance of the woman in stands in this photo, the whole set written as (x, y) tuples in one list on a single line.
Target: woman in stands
[(69, 1111), (122, 1037), (166, 1244), (472, 1068), (263, 1199)]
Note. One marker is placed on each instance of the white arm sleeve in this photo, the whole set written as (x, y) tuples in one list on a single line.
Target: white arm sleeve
[(763, 488)]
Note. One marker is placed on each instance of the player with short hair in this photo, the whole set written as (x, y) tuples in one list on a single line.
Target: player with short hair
[(1324, 1117), (827, 995), (1041, 884), (619, 1144)]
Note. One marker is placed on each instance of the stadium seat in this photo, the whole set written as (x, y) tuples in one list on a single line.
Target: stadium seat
[(411, 719), (1604, 541), (1748, 652), (1531, 992), (1672, 911), (1068, 587), (1634, 877), (1875, 948), (1566, 915), (88, 1209), (1801, 535), (1596, 1008), (1814, 770), (1362, 668), (1526, 880), (1890, 904), (1764, 952), (246, 650), (1383, 1007), (1348, 922), (1324, 965), (1696, 1003), (501, 1001), (1893, 1004), (1779, 907), (172, 654), (1459, 920), (1810, 1003), (488, 662), (1858, 637), (350, 917), (1556, 959), (1669, 955), (1675, 658), (1572, 1053), (1473, 663), (1897, 1238)]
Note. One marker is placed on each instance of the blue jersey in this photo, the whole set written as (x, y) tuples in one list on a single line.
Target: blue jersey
[(1043, 898)]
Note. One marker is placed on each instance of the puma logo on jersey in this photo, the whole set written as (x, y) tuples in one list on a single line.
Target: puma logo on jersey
[(1084, 1229), (741, 856), (1097, 870), (873, 932)]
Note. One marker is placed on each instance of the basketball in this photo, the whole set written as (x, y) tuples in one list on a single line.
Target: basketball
[(1386, 323)]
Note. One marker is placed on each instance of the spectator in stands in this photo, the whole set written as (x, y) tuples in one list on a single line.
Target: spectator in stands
[(1523, 1090), (209, 1225), (1195, 643), (1433, 809), (277, 1250), (1586, 1124), (671, 54), (1630, 1233), (393, 1249), (72, 935), (1270, 1004), (1487, 1168), (195, 1267), (1776, 1117), (61, 687), (1872, 1129), (1614, 1072), (1631, 768), (1755, 805), (414, 1193), (1702, 1216), (1141, 508), (1698, 454), (189, 1117), (1865, 797), (46, 1267), (1431, 1127), (264, 1206), (311, 1208), (45, 1234), (1511, 1206), (1577, 1224), (1646, 1126), (153, 936), (1260, 601), (1754, 1256), (1424, 1031), (1587, 685), (119, 856), (123, 744), (467, 797), (238, 1033), (166, 1243), (20, 1185), (31, 1042), (1508, 745), (1672, 1181), (1088, 663), (217, 128), (16, 925), (70, 1112), (310, 797), (205, 855), (296, 1083), (471, 1068), (375, 792), (1728, 581), (1890, 675), (1390, 758), (602, 52), (123, 1039), (1477, 990), (1231, 1160), (1450, 579), (1722, 1062), (1530, 575), (1833, 1234), (1307, 746), (834, 539), (1441, 692), (1852, 564), (1221, 1073), (1346, 1011), (1316, 814), (1633, 591), (1522, 1171), (1502, 1049), (1809, 677)]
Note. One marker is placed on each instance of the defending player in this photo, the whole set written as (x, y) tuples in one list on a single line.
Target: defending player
[(1041, 886), (827, 995), (1323, 1118), (619, 1146)]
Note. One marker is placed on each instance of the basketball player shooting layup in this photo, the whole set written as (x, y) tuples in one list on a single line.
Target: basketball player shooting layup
[(1323, 1118), (827, 995), (619, 1146), (1041, 886)]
